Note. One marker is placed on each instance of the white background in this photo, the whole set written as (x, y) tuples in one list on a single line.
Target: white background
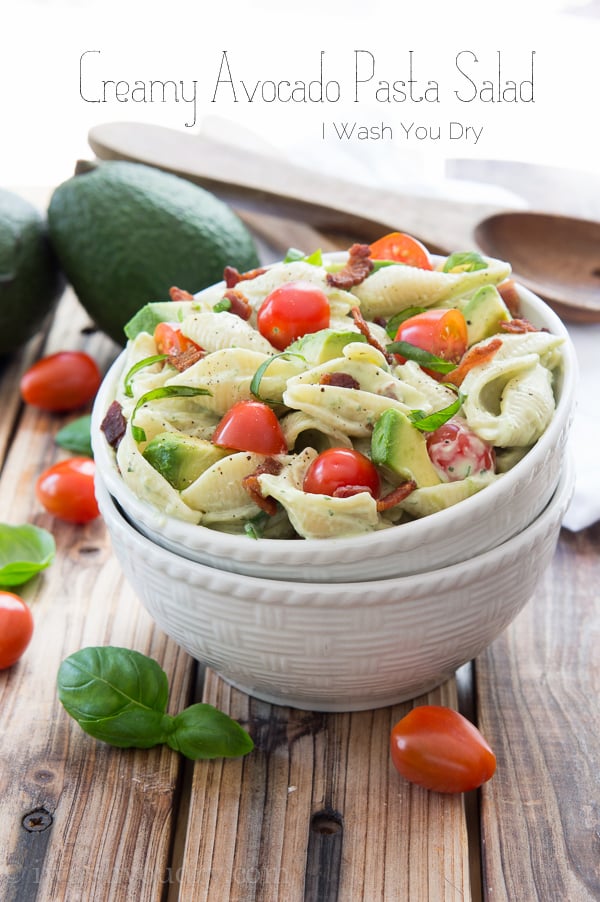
[(44, 120)]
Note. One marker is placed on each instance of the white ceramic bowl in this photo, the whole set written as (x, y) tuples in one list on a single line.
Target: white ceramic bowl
[(474, 525), (337, 646)]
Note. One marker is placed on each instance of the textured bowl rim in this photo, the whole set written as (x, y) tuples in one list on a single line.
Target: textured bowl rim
[(379, 543)]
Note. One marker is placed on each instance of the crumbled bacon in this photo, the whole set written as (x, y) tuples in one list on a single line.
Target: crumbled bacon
[(363, 327), (114, 424), (180, 294), (357, 268), (475, 356), (232, 276), (510, 295), (347, 491), (396, 495), (252, 485), (184, 359), (340, 380), (518, 326), (240, 305)]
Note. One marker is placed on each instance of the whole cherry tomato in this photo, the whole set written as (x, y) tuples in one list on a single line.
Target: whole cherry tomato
[(402, 249), (341, 472), (16, 628), (440, 749), (66, 490), (60, 382), (170, 340), (291, 311), (250, 426), (457, 452), (441, 332)]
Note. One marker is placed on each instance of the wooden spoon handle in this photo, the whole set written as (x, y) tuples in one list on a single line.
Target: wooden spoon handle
[(271, 185)]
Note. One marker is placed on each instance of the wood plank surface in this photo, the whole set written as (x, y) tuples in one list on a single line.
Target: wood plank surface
[(538, 691)]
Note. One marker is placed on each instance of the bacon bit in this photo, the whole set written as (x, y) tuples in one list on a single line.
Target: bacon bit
[(510, 295), (347, 491), (396, 495), (180, 294), (232, 276), (364, 328), (114, 425), (518, 326), (240, 305), (475, 356), (184, 359), (357, 268), (339, 380), (252, 485)]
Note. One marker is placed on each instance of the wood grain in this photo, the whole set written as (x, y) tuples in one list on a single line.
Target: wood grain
[(317, 812), (538, 690)]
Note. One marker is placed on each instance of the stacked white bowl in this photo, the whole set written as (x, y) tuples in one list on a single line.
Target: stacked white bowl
[(349, 623)]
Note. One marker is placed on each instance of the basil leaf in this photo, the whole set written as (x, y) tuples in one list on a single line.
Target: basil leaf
[(464, 262), (24, 551), (257, 377), (116, 695), (222, 306), (140, 365), (423, 358), (165, 391), (202, 731), (392, 324), (76, 436), (431, 422)]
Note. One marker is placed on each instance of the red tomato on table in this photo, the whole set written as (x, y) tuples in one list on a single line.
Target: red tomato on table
[(66, 490), (441, 750), (250, 426), (60, 382), (16, 628), (291, 311), (401, 248), (341, 472), (441, 332)]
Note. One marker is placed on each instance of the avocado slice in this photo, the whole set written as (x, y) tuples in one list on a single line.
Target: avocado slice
[(150, 315), (326, 344), (181, 459), (484, 312), (401, 450)]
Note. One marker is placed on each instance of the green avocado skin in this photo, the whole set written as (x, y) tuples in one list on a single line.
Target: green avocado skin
[(126, 233), (30, 277)]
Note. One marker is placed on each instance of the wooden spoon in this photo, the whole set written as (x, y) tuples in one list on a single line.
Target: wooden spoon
[(557, 257)]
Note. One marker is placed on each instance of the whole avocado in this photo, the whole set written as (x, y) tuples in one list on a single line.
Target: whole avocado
[(30, 277), (126, 233)]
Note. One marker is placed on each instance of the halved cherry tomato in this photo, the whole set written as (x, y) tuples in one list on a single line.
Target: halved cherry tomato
[(457, 452), (291, 311), (250, 426), (441, 332), (440, 749), (170, 340), (63, 381), (16, 628), (66, 490), (403, 249), (341, 472)]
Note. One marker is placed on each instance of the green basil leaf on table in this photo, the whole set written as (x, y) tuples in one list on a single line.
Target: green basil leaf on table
[(76, 436), (24, 551), (119, 696)]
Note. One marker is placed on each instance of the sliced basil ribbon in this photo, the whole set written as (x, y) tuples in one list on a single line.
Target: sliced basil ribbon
[(140, 365), (257, 378), (430, 422), (423, 358), (165, 391)]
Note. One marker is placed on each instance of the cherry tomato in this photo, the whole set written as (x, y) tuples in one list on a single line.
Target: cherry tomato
[(441, 332), (170, 340), (250, 426), (440, 749), (291, 311), (66, 490), (341, 472), (403, 249), (457, 452), (63, 381), (16, 628)]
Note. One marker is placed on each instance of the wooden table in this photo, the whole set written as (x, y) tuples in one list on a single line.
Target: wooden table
[(316, 812)]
